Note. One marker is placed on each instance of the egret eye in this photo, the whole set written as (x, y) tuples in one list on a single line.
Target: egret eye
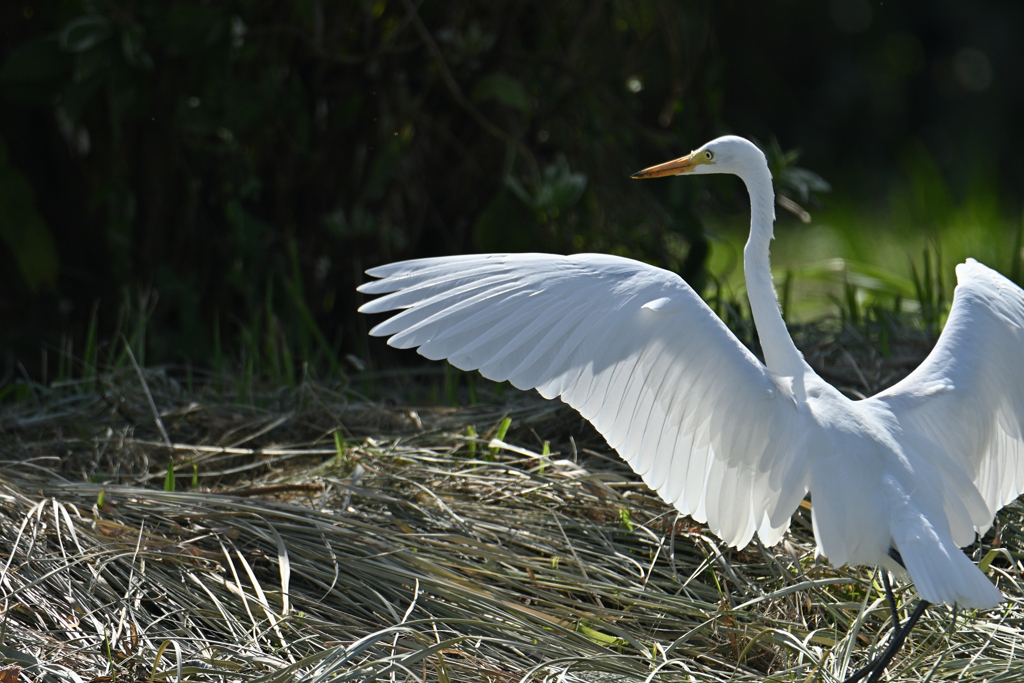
[(709, 155)]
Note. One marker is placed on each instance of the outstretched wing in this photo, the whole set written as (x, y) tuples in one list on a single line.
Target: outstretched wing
[(968, 394), (632, 348)]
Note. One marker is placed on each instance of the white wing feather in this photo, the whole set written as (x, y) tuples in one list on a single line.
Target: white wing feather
[(637, 352), (968, 394)]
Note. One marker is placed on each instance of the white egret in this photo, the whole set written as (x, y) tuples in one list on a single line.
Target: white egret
[(901, 480)]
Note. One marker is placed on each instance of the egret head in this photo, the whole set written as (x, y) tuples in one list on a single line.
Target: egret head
[(727, 154)]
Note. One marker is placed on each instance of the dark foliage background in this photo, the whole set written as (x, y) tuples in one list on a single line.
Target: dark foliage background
[(212, 178)]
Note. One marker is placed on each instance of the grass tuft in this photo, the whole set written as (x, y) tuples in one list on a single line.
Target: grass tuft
[(328, 539)]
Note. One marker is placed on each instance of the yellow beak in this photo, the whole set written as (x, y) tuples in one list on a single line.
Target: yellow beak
[(675, 167)]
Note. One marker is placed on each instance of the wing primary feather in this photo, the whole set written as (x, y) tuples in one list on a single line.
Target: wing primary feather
[(439, 309), (487, 328), (540, 366), (429, 290), (408, 270), (641, 414), (636, 351)]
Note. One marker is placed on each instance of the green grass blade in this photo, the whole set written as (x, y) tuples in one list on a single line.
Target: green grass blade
[(169, 477)]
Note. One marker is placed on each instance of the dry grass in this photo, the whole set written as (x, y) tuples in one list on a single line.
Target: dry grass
[(404, 550)]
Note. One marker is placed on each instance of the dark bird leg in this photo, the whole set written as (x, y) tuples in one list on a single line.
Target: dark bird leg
[(892, 600), (900, 632), (897, 641)]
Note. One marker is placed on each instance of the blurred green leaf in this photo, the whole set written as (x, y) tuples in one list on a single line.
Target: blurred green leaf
[(561, 186), (930, 199), (188, 27), (77, 94), (35, 70), (83, 33), (505, 224), (503, 88), (804, 182), (23, 229), (862, 275), (98, 63), (382, 169), (37, 60), (131, 47), (791, 179)]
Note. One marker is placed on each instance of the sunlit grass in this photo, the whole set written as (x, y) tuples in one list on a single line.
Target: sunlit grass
[(406, 550), (876, 248)]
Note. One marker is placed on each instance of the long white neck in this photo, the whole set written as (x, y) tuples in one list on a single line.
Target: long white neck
[(780, 353)]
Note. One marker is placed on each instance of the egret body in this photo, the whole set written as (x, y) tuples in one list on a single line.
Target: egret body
[(904, 478)]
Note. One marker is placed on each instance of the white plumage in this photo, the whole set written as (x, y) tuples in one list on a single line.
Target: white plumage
[(921, 467)]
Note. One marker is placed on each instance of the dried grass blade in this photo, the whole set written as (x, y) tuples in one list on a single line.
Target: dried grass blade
[(284, 566), (261, 596)]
